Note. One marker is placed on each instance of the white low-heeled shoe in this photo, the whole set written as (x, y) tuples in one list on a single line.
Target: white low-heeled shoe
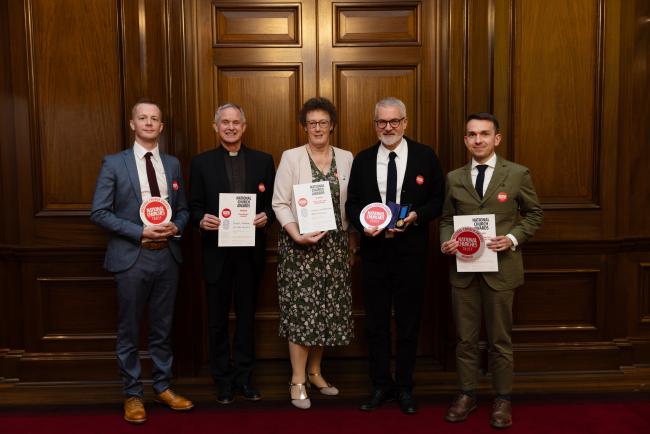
[(325, 390), (302, 402)]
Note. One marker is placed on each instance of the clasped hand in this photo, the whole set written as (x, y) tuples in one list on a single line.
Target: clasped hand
[(159, 232)]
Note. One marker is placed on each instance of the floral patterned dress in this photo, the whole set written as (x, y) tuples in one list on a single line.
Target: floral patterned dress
[(314, 284)]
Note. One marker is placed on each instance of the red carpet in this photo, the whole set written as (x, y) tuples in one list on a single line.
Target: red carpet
[(333, 417)]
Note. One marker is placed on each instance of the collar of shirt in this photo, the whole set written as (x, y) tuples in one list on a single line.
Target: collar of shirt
[(400, 150), (140, 150), (491, 163)]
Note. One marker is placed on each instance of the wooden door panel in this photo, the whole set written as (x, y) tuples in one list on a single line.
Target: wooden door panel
[(389, 24), (269, 96), (358, 91), (257, 26)]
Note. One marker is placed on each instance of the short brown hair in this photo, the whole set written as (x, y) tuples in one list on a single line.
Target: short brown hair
[(145, 100)]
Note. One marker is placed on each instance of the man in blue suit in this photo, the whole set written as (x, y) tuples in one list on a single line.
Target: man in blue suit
[(144, 258)]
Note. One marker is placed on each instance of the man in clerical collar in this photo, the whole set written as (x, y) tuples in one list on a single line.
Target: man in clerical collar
[(231, 271)]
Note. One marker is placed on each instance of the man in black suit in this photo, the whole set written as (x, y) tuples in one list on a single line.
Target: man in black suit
[(231, 168), (399, 170)]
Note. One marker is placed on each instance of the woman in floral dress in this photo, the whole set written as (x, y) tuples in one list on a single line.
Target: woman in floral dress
[(314, 284)]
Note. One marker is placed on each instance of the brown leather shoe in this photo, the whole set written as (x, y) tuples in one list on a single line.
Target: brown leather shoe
[(501, 414), (461, 408), (174, 401), (134, 411)]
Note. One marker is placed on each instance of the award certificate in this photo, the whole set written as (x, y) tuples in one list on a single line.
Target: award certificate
[(237, 212), (314, 207), (472, 233)]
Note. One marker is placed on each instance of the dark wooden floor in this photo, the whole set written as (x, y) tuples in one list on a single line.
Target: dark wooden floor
[(348, 375)]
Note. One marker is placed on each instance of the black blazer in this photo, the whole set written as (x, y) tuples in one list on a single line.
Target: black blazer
[(425, 198), (208, 178)]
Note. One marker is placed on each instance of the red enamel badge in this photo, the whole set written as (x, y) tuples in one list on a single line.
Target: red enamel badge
[(502, 196), (175, 185), (419, 179), (226, 213), (261, 187)]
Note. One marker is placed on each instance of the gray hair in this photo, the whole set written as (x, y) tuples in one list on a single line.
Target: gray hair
[(391, 101), (217, 113)]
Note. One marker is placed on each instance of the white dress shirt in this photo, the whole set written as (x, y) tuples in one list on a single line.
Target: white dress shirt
[(141, 163), (491, 164), (402, 152)]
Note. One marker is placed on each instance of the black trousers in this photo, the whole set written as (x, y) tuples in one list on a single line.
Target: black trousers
[(238, 280), (393, 283)]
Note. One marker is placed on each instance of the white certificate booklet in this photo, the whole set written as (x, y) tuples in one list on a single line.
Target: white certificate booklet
[(313, 203), (486, 260), (237, 212)]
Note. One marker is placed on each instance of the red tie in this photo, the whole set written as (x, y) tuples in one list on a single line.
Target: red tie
[(151, 176)]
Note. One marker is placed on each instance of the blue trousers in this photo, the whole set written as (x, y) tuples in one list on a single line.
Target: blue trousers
[(152, 282)]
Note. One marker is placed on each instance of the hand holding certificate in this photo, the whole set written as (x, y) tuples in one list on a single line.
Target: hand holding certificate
[(237, 212), (471, 234), (314, 207)]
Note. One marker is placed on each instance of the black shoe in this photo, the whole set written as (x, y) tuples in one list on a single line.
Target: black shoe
[(225, 394), (407, 403), (248, 392), (378, 397)]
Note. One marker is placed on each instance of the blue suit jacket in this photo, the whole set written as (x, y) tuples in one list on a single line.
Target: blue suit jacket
[(116, 207)]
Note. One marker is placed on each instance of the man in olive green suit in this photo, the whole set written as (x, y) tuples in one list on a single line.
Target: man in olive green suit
[(487, 185)]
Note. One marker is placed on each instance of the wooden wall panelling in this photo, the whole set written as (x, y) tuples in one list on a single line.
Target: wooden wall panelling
[(359, 88), (260, 91), (560, 304), (634, 137), (643, 314), (561, 107), (269, 25), (380, 48), (8, 193), (270, 36), (378, 25), (556, 98), (454, 82), (480, 46), (66, 96)]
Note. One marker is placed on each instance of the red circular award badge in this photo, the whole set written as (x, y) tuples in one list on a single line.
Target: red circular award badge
[(175, 186), (419, 179), (302, 202), (502, 196), (155, 211), (226, 213), (470, 243), (375, 215), (261, 187)]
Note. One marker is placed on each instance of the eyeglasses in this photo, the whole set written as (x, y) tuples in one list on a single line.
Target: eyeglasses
[(381, 123), (323, 124)]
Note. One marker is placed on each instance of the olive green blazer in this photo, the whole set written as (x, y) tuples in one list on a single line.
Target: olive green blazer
[(519, 214)]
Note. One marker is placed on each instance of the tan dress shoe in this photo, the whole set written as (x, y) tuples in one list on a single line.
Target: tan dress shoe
[(174, 401), (461, 408), (501, 414), (134, 411)]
